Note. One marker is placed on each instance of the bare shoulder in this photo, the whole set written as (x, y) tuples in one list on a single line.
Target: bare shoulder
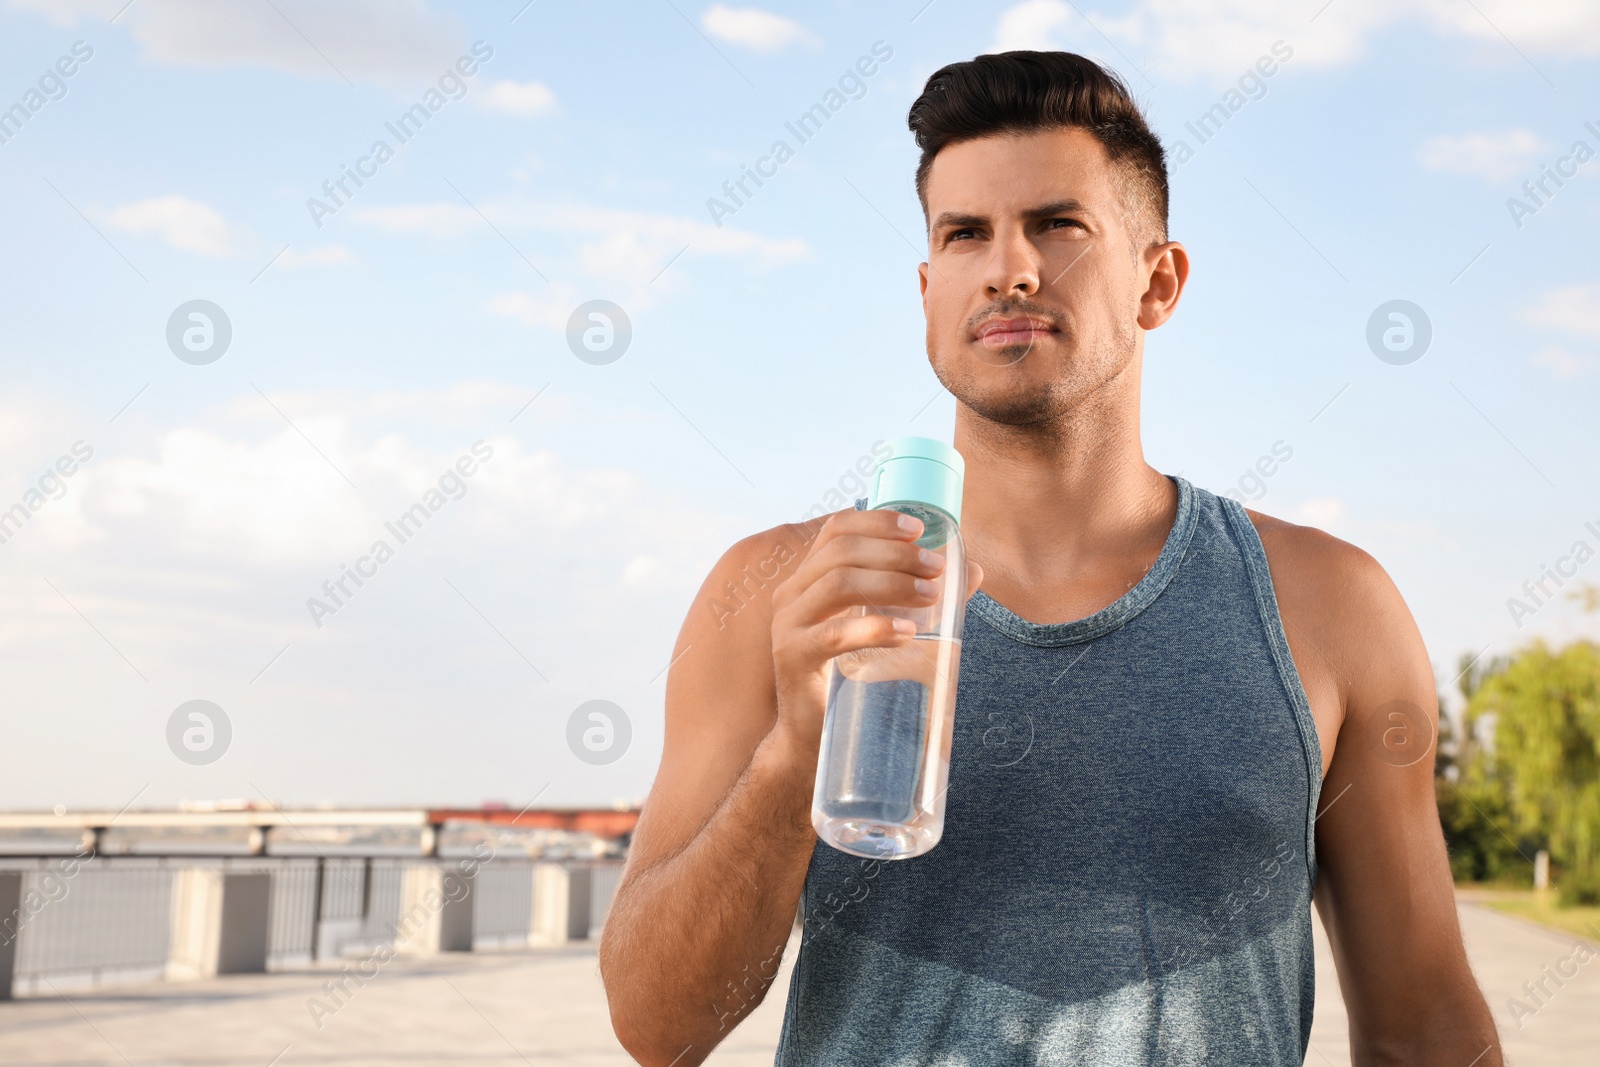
[(1351, 635), (1314, 566), (721, 697), (728, 627), (734, 603)]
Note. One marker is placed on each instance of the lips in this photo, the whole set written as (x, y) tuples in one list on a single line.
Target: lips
[(1000, 332)]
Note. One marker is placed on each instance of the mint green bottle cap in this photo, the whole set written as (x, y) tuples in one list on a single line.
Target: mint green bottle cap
[(920, 470)]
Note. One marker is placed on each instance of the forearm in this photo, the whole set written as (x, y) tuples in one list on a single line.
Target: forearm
[(1450, 1025), (1441, 1046), (694, 939)]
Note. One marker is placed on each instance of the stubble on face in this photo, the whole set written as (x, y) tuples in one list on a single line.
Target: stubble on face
[(1073, 376)]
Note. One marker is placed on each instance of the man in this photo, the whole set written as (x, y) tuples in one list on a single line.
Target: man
[(1176, 719)]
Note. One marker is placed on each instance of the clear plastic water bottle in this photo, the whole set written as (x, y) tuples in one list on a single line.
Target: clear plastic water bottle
[(885, 759)]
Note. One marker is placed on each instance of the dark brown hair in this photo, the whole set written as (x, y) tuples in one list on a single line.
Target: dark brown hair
[(1024, 92)]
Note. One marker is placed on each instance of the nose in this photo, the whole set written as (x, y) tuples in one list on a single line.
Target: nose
[(1013, 267)]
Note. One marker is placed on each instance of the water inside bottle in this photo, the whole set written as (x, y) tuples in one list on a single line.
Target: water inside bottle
[(887, 744)]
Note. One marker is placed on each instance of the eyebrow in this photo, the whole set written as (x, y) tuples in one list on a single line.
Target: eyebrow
[(961, 220)]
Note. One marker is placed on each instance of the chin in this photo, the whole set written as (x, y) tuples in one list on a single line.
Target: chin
[(1014, 410), (1012, 404)]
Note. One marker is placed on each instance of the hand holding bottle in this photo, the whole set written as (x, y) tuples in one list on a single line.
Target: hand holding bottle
[(866, 643), (861, 560)]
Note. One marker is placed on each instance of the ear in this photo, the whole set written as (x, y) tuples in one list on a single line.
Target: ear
[(1168, 270), (922, 281)]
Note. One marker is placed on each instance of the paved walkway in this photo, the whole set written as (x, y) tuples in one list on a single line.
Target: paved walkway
[(546, 1007)]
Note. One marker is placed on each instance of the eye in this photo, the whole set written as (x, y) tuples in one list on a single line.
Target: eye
[(956, 235), (1050, 224)]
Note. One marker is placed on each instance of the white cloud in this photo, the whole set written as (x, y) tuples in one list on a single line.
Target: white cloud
[(1496, 157), (754, 28), (465, 402), (183, 223), (633, 245), (22, 425), (1556, 27), (392, 42), (622, 254), (517, 98), (1560, 362), (1573, 309), (549, 308), (241, 486), (639, 570), (1216, 40), (274, 498), (191, 550), (321, 256), (435, 220), (1054, 25), (1034, 25)]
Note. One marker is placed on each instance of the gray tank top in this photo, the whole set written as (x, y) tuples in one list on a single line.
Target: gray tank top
[(1126, 869)]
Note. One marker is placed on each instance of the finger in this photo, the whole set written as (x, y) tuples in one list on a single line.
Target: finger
[(870, 550), (872, 553), (850, 633), (853, 587), (892, 525)]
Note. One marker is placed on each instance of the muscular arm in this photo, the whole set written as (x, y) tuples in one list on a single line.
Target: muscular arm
[(720, 853), (701, 930), (698, 926), (1384, 890)]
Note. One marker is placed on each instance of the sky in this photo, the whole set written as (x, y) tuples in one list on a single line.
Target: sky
[(252, 373)]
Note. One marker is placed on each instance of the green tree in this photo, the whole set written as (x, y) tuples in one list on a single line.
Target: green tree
[(1474, 811), (1546, 709)]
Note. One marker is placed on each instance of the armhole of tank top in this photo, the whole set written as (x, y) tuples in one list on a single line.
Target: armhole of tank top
[(788, 1032), (1255, 558)]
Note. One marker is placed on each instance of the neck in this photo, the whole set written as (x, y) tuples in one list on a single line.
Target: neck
[(1058, 502)]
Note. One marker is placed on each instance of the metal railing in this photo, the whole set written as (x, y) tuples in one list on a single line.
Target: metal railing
[(108, 922), (111, 919), (504, 904), (602, 889)]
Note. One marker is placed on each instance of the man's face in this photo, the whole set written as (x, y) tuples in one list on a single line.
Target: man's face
[(1032, 286)]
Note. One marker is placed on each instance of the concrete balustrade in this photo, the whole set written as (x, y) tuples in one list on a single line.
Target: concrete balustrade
[(560, 904), (10, 920), (435, 911), (220, 920), (219, 923)]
